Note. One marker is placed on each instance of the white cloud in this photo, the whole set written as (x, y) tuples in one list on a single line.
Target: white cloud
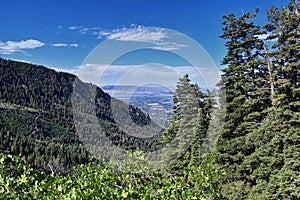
[(262, 36), (91, 72), (167, 46), (11, 47), (74, 45), (102, 34), (64, 45), (84, 30), (68, 70), (74, 27), (24, 61), (157, 38), (142, 74), (137, 34), (265, 37), (164, 48), (60, 45)]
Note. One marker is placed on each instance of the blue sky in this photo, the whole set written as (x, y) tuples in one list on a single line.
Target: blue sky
[(62, 34)]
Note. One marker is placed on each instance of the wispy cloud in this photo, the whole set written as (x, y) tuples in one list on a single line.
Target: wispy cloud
[(141, 74), (65, 45), (137, 34), (11, 47), (168, 46), (82, 30), (158, 38), (74, 45), (60, 45), (68, 70)]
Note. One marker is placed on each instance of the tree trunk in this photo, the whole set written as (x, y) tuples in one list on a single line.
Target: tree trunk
[(271, 80)]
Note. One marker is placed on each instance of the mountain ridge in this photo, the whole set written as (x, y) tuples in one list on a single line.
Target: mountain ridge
[(36, 107)]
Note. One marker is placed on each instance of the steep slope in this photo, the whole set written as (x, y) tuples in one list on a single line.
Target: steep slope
[(36, 116)]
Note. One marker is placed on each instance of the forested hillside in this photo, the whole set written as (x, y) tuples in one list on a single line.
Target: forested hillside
[(37, 119), (42, 156)]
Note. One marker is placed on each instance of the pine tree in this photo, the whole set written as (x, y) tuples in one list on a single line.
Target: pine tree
[(277, 160), (190, 119), (245, 82), (259, 146), (284, 28)]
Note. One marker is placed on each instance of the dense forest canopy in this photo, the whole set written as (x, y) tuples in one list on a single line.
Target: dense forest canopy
[(259, 144), (37, 116)]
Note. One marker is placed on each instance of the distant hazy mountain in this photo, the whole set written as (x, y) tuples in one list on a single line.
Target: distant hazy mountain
[(154, 99)]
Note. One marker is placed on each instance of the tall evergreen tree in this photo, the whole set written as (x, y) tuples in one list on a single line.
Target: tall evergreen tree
[(279, 168), (191, 119), (245, 82), (259, 146), (284, 28)]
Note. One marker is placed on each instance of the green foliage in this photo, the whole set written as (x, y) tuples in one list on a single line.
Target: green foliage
[(191, 120), (259, 146), (20, 181), (36, 117)]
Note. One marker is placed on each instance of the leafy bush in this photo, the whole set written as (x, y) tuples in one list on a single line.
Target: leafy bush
[(103, 181)]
